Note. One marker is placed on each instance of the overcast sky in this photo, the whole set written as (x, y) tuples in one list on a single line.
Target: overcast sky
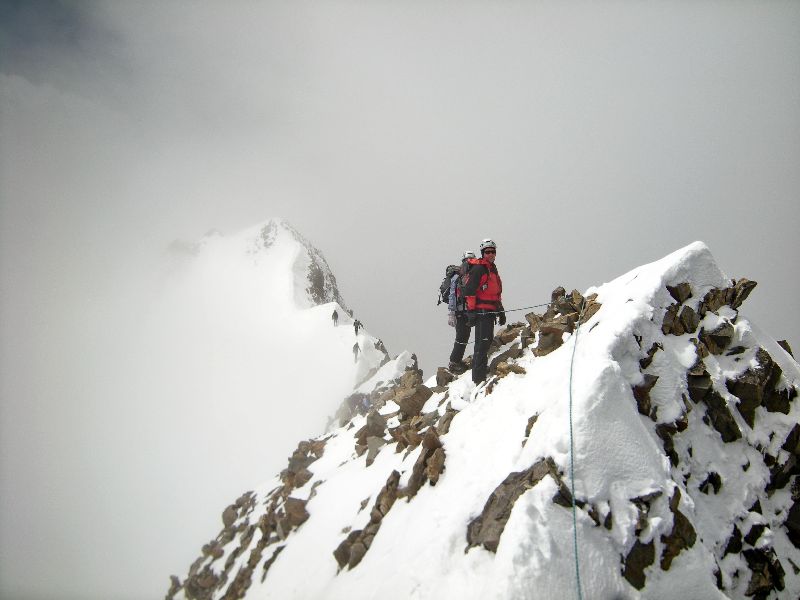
[(585, 138)]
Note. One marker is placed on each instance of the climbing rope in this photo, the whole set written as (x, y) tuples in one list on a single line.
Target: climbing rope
[(579, 587), (572, 459)]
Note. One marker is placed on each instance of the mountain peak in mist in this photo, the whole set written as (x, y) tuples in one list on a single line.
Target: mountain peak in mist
[(278, 244)]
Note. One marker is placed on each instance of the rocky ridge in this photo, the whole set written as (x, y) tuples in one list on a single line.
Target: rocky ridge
[(319, 285), (710, 398), (314, 282)]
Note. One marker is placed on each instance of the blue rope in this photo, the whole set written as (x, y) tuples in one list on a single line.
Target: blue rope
[(572, 463)]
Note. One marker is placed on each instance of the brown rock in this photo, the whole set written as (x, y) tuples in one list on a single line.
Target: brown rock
[(639, 558), (781, 474), (411, 379), (430, 441), (418, 474), (376, 424), (767, 572), (689, 319), (435, 465), (665, 432), (754, 385), (700, 348), (721, 418), (510, 333), (357, 551), (229, 516), (734, 545), (713, 480), (206, 581), (641, 393), (551, 333), (680, 292), (671, 323), (534, 321), (412, 437), (699, 385), (792, 524), (342, 552), (779, 400), (350, 552), (531, 423), (713, 300), (302, 477), (175, 586), (682, 535), (719, 339), (374, 445), (558, 295), (792, 442), (443, 426), (443, 377), (388, 493), (514, 352), (647, 360), (486, 529), (411, 401), (741, 290), (589, 310)]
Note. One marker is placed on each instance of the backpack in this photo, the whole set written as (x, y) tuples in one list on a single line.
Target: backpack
[(444, 287), (462, 281)]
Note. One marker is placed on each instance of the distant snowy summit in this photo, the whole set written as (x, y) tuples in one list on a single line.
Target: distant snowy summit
[(685, 425), (274, 241)]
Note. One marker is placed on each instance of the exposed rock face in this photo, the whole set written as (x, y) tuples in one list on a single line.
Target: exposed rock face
[(350, 552), (486, 529), (560, 318), (281, 514), (319, 286)]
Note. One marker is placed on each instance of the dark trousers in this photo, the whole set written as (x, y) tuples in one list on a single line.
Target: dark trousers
[(484, 333), (462, 337)]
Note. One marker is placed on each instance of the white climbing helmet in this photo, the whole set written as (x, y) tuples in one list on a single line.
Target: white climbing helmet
[(487, 243), (468, 254)]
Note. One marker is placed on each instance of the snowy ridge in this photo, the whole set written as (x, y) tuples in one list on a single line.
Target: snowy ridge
[(687, 444)]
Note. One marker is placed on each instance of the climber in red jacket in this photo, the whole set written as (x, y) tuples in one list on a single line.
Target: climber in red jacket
[(483, 291)]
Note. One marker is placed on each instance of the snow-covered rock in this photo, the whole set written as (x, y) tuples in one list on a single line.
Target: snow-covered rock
[(677, 415)]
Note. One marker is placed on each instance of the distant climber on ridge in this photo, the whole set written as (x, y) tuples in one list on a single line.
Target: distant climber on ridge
[(482, 292), (335, 318), (357, 325), (355, 352), (456, 316)]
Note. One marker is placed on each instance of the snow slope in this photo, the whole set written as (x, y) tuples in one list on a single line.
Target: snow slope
[(212, 373), (443, 490)]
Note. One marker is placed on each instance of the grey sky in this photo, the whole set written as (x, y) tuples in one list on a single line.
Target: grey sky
[(585, 138)]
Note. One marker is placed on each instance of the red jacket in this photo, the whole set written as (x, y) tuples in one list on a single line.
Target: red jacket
[(483, 288)]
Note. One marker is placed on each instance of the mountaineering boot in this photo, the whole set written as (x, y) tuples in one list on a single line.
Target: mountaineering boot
[(457, 367)]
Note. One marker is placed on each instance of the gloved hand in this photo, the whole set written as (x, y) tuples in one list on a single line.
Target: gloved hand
[(501, 315), (451, 319), (471, 318)]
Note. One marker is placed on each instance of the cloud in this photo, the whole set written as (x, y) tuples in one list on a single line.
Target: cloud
[(585, 139)]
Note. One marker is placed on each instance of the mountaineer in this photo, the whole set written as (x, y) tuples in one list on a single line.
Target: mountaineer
[(456, 316), (482, 293)]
